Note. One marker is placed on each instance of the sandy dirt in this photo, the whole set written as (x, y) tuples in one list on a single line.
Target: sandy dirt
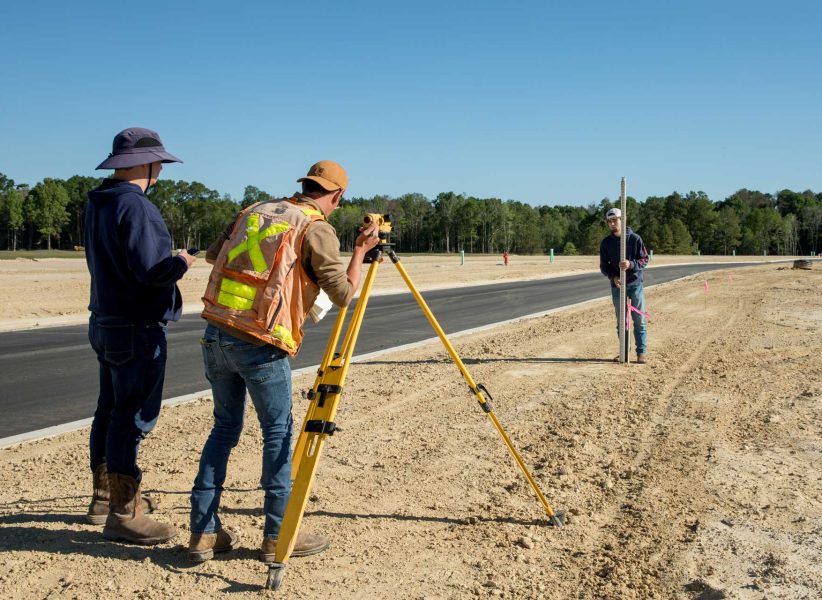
[(697, 476)]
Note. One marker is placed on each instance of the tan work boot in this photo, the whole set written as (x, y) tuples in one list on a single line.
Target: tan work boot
[(642, 359), (203, 546), (307, 544), (126, 521), (98, 509)]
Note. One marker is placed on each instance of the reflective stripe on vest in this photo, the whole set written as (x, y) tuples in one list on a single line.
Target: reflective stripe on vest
[(283, 334), (234, 294), (310, 212), (251, 243)]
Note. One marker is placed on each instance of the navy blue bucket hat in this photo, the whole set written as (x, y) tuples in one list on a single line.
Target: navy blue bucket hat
[(134, 147)]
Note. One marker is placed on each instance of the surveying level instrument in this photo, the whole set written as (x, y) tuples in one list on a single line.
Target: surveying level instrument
[(325, 395)]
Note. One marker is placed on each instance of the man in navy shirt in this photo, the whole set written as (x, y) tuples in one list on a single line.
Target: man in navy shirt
[(133, 296), (636, 257)]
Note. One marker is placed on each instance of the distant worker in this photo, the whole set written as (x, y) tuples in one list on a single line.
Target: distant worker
[(636, 257), (505, 257), (133, 296), (269, 267)]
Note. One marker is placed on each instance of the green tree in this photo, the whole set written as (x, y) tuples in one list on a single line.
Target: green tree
[(446, 208), (701, 220), (14, 217), (554, 227), (569, 249), (527, 234), (682, 243), (347, 220), (811, 222), (416, 210), (790, 234), (729, 230), (491, 224), (468, 219), (50, 201), (252, 195), (593, 235), (666, 240), (78, 188)]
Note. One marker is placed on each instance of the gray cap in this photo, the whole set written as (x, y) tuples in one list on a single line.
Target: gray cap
[(613, 212), (136, 146)]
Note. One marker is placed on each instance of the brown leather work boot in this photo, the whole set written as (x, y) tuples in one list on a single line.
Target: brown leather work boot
[(203, 546), (98, 509), (642, 359), (307, 544), (126, 521)]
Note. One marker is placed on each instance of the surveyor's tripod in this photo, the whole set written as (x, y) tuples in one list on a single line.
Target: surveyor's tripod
[(325, 395)]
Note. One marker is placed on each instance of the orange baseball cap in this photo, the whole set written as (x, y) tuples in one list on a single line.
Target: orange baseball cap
[(328, 174)]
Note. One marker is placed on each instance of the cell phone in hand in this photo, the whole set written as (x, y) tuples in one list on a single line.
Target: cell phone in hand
[(193, 251)]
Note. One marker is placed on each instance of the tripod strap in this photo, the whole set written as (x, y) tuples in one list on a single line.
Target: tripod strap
[(481, 391)]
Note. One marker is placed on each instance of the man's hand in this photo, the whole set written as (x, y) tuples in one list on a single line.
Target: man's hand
[(616, 282), (624, 265), (368, 238), (187, 257)]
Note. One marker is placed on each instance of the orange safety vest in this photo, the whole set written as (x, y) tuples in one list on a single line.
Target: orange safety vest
[(258, 284)]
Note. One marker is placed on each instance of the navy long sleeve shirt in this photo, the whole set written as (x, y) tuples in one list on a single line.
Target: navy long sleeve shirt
[(128, 252), (634, 251)]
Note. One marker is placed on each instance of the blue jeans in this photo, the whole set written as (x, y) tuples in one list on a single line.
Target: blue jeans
[(637, 296), (232, 366), (132, 361)]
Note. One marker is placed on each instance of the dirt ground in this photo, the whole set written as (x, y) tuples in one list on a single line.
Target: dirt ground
[(697, 476)]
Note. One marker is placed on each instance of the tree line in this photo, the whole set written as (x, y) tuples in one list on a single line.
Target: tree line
[(50, 215)]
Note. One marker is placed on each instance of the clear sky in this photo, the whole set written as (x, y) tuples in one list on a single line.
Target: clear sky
[(542, 102)]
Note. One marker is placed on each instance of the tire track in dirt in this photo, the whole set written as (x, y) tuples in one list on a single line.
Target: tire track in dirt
[(636, 541)]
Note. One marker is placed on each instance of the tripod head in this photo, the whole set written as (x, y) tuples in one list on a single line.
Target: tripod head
[(384, 224)]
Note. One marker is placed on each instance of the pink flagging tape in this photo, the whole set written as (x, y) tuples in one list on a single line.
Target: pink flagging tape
[(636, 310), (632, 308), (707, 287)]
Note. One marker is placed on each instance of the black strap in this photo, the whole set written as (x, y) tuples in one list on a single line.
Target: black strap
[(317, 426), (486, 406)]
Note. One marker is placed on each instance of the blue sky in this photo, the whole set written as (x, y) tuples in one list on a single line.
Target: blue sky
[(542, 102)]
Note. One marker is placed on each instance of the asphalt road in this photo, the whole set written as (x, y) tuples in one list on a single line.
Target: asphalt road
[(49, 376)]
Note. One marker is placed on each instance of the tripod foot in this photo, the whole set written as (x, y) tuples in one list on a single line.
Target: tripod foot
[(275, 576), (558, 519)]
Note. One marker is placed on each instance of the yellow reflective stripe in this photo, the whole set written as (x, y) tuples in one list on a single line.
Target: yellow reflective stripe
[(310, 212), (234, 302), (234, 294), (252, 242), (281, 333)]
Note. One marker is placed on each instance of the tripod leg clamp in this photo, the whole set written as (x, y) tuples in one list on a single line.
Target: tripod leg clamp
[(486, 406), (317, 426), (322, 391)]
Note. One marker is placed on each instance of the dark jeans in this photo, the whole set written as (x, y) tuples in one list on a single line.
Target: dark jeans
[(132, 361), (636, 295), (234, 366)]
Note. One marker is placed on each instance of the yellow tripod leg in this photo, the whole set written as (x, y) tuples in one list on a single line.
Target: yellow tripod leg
[(557, 519), (328, 390), (324, 365)]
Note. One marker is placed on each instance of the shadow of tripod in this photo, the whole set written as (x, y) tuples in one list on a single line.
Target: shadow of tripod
[(325, 396)]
